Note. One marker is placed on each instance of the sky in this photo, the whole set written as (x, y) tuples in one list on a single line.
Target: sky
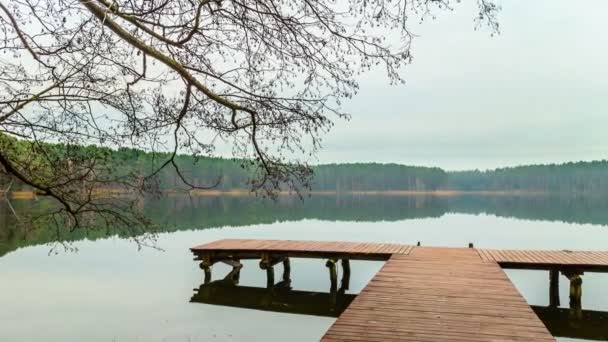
[(536, 93)]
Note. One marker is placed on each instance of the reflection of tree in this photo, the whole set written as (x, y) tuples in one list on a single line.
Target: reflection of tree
[(5, 189), (572, 209), (200, 212)]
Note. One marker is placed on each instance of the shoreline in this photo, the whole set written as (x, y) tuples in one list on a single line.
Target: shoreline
[(438, 193), (243, 192)]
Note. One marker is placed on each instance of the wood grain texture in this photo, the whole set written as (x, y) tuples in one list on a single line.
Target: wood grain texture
[(439, 294), (527, 259), (311, 249)]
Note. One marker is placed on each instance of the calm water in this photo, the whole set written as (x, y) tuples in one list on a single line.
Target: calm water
[(109, 290)]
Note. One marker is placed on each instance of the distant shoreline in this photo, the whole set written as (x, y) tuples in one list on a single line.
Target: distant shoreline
[(372, 192), (243, 192)]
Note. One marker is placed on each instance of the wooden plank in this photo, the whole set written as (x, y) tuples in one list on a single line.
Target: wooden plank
[(506, 258), (439, 294), (319, 249), (584, 260)]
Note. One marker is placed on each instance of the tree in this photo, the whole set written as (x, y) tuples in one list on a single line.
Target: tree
[(265, 76)]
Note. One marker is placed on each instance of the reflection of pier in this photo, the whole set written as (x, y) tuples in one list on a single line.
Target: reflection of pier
[(421, 293), (276, 296), (583, 324), (278, 299)]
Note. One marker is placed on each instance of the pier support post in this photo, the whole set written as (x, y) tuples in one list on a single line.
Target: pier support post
[(286, 270), (269, 277), (333, 278), (237, 270), (345, 283), (576, 293), (554, 288), (205, 265), (333, 274), (267, 263), (286, 282), (234, 275), (207, 270)]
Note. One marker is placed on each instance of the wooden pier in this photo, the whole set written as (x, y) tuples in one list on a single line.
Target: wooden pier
[(421, 293)]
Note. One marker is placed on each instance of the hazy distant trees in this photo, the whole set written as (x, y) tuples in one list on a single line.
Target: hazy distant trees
[(229, 174), (572, 178), (329, 177), (377, 177), (569, 178)]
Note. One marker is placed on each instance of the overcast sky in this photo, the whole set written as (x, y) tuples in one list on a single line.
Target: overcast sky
[(537, 93)]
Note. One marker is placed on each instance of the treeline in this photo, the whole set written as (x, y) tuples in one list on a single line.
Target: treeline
[(377, 177), (230, 174), (233, 174), (573, 178)]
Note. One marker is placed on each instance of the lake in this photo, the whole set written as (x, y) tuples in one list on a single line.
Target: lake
[(100, 286)]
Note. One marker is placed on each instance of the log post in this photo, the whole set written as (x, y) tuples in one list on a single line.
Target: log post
[(333, 274), (207, 275), (265, 261), (286, 270), (554, 288), (345, 283), (205, 265), (576, 293), (234, 275), (269, 277), (237, 268)]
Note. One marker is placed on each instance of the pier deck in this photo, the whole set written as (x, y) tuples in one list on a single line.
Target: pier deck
[(439, 295), (422, 293), (305, 249)]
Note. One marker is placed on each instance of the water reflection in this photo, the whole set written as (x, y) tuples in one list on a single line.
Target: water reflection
[(142, 295), (176, 213), (573, 322), (570, 323), (277, 299)]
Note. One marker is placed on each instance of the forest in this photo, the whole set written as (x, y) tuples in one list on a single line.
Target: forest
[(573, 178), (233, 174)]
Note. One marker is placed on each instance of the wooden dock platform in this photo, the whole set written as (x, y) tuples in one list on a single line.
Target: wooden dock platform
[(596, 261), (422, 293), (304, 249), (439, 294)]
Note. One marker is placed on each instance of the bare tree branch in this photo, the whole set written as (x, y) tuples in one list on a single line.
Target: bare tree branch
[(265, 77)]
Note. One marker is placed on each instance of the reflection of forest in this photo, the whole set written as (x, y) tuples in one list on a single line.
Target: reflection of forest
[(200, 212), (571, 209)]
